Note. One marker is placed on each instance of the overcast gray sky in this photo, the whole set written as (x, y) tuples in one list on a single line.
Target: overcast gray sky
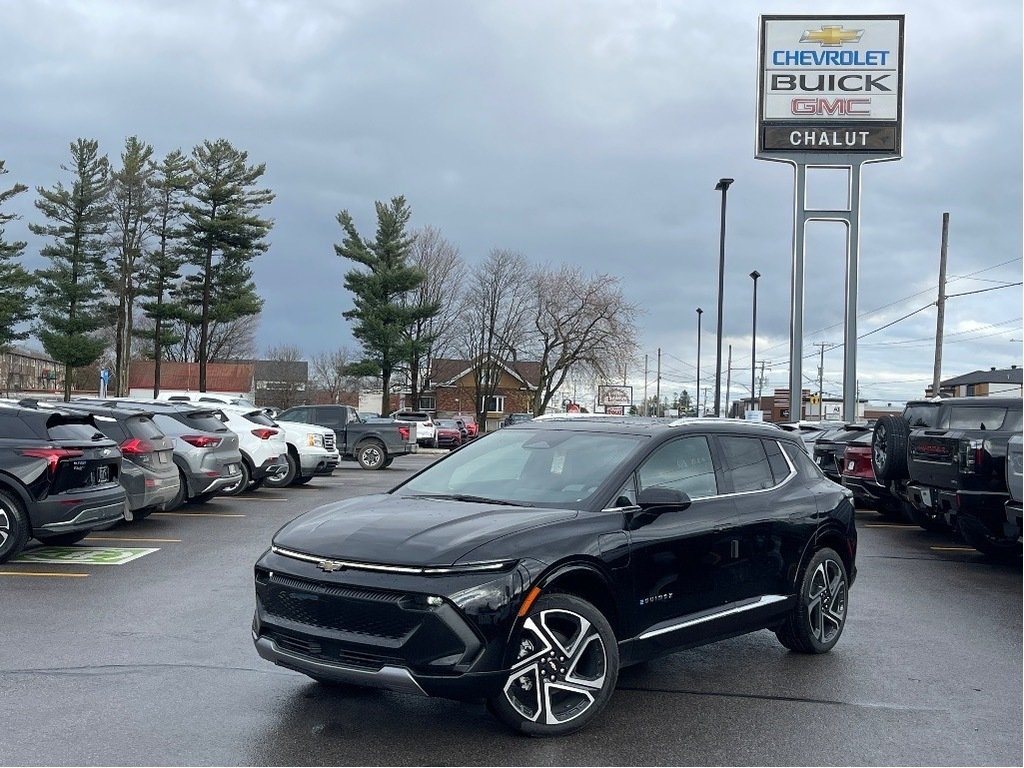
[(583, 132)]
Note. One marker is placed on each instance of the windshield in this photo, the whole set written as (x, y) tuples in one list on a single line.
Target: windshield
[(921, 415), (531, 467)]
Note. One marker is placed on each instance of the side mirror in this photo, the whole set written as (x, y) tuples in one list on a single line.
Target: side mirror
[(663, 499)]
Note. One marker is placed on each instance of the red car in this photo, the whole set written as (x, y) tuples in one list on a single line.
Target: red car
[(859, 477), (448, 433), (469, 422)]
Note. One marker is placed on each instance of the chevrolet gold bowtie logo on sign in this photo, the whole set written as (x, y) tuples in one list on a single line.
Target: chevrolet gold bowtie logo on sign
[(832, 36)]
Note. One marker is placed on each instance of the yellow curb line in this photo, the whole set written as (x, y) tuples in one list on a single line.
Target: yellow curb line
[(43, 573), (127, 538), (194, 514)]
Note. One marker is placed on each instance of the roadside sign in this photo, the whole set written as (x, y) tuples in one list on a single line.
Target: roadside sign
[(830, 84), (617, 394), (84, 555), (754, 415), (615, 410)]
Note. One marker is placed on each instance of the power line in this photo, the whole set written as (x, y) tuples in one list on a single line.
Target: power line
[(982, 290)]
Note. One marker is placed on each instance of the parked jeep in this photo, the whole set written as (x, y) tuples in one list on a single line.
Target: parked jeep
[(374, 445), (947, 460)]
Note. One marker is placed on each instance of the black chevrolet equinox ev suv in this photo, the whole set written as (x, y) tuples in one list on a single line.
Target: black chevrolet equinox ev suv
[(529, 566)]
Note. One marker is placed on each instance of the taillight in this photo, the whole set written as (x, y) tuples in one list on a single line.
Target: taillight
[(404, 432), (972, 455), (264, 433), (53, 456), (201, 441), (136, 447)]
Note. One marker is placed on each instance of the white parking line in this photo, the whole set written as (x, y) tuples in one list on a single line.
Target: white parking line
[(45, 573), (194, 514), (130, 538)]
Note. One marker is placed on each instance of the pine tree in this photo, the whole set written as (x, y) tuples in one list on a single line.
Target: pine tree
[(15, 280), (70, 294), (162, 270), (132, 199), (380, 314), (224, 233)]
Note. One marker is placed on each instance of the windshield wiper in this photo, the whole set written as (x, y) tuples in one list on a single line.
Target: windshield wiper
[(469, 498)]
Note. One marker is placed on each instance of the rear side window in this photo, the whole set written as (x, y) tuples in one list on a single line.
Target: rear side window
[(967, 417), (921, 415), (746, 463), (13, 427), (206, 421), (259, 417), (778, 463), (112, 429), (168, 425), (143, 427)]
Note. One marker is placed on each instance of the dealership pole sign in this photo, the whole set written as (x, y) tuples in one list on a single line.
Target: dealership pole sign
[(830, 95), (830, 84), (614, 396)]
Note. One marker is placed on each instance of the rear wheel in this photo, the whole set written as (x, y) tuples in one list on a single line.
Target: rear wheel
[(817, 620), (371, 455), (202, 498), (564, 668), (243, 484), (64, 539), (13, 527), (284, 476), (181, 495), (302, 480)]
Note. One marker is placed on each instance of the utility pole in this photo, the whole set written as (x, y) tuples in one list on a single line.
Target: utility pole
[(645, 386), (728, 383), (940, 316), (821, 380), (657, 387), (760, 385)]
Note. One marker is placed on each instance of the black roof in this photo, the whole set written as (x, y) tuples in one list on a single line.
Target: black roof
[(991, 376), (652, 426)]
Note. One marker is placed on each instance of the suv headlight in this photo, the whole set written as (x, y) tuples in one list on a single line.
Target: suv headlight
[(315, 440)]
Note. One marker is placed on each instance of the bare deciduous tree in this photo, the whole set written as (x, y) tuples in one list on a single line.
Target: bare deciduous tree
[(232, 340), (430, 336), (492, 319), (580, 325), (330, 372)]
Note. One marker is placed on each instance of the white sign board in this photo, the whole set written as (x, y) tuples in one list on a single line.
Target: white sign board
[(830, 84), (614, 394)]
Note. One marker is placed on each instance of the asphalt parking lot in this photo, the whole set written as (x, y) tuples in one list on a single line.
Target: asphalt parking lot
[(151, 663)]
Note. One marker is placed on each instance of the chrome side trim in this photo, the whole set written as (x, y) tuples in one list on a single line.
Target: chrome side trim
[(759, 603), (390, 678)]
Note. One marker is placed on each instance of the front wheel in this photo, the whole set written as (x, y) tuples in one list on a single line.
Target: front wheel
[(817, 620), (13, 527), (565, 662), (371, 455)]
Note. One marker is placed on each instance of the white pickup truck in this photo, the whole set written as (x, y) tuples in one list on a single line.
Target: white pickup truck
[(311, 453)]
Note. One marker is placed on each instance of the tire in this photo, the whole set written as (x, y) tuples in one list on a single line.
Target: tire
[(182, 494), (819, 616), (13, 527), (371, 455), (389, 462), (302, 480), (889, 449), (142, 514), (63, 539), (544, 698), (202, 498), (242, 485), (286, 476), (255, 485), (978, 536)]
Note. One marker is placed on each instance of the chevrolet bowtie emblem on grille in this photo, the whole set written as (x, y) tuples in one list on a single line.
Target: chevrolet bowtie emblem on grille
[(330, 566), (832, 36)]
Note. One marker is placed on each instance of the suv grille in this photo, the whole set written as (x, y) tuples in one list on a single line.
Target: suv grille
[(329, 441), (365, 612)]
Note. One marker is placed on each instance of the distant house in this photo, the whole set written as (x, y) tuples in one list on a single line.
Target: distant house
[(450, 389), (281, 383), (995, 382), (27, 371), (236, 379)]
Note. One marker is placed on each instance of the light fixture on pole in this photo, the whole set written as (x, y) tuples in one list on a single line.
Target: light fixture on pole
[(723, 186), (696, 408), (753, 344)]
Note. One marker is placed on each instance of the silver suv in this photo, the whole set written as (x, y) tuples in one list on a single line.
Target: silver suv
[(205, 450)]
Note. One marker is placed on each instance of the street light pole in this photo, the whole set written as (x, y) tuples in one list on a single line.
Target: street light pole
[(723, 186), (753, 344), (697, 393)]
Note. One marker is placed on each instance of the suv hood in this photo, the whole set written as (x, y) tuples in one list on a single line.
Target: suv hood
[(396, 530)]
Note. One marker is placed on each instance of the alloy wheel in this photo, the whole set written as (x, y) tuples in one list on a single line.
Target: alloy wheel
[(826, 605), (880, 446), (5, 527), (561, 666)]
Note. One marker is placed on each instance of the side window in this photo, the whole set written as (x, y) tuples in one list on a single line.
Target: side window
[(779, 465), (684, 464), (12, 426), (746, 463), (298, 414), (802, 461), (626, 495), (328, 417)]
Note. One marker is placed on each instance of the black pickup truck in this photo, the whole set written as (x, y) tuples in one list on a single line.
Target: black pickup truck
[(947, 460), (373, 444)]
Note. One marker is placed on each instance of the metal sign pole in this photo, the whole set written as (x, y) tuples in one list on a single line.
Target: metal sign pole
[(852, 279), (796, 309)]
